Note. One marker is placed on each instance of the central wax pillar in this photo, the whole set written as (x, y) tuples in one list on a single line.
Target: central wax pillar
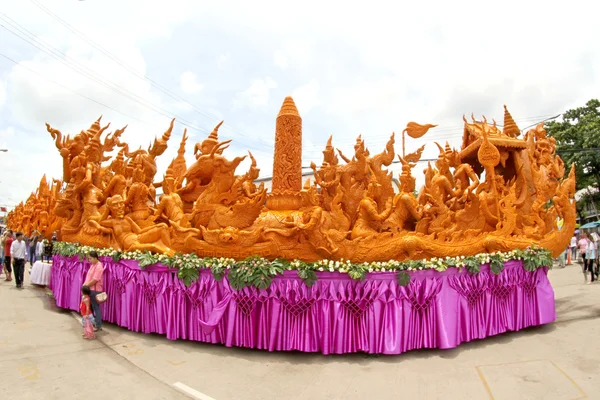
[(287, 162)]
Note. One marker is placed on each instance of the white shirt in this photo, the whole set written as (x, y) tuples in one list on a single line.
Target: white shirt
[(18, 250), (39, 250), (573, 242)]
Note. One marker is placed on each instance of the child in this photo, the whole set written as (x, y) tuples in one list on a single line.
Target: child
[(87, 319)]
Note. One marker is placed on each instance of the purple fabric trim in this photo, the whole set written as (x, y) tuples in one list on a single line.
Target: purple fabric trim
[(336, 315)]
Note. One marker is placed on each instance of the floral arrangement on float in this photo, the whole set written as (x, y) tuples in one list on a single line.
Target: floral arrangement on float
[(259, 272)]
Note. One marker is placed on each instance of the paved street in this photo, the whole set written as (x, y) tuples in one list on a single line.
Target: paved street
[(42, 356)]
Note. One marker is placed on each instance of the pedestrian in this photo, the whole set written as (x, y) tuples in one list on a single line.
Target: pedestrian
[(2, 241), (94, 280), (32, 247), (87, 319), (562, 258), (590, 256), (18, 252), (573, 249), (7, 246), (582, 245), (48, 248), (39, 249)]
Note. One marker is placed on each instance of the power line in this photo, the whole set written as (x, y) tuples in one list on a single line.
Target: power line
[(579, 150), (120, 62), (130, 69), (84, 70), (81, 69), (71, 90), (433, 135)]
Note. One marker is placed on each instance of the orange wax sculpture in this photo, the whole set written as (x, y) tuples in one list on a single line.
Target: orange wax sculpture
[(349, 209)]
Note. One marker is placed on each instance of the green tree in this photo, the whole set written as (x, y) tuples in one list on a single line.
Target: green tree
[(578, 140)]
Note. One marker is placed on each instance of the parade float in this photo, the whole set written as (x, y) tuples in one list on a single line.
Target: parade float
[(341, 263)]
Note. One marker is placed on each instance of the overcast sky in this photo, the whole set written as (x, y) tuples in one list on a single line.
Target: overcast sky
[(352, 67)]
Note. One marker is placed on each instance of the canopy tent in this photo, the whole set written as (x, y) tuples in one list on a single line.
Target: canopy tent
[(590, 225)]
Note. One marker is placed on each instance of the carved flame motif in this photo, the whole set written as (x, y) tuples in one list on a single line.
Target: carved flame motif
[(349, 209), (416, 131)]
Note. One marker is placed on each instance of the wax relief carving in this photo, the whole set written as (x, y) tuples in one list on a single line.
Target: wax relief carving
[(499, 192)]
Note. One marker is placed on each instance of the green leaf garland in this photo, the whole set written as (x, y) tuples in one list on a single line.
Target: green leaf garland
[(259, 272)]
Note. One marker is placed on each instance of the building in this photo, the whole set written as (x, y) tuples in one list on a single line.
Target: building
[(587, 207)]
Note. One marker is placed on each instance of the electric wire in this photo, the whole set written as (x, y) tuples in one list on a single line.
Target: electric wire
[(137, 74), (73, 91), (83, 70)]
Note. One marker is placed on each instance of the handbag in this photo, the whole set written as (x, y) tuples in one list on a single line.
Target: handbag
[(101, 297)]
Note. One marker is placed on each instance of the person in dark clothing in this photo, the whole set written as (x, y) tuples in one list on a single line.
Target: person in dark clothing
[(18, 252)]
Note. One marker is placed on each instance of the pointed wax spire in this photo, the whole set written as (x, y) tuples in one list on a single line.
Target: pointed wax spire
[(95, 127), (288, 107), (510, 127), (214, 135)]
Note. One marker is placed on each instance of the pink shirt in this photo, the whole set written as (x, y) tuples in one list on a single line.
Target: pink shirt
[(95, 273), (583, 244)]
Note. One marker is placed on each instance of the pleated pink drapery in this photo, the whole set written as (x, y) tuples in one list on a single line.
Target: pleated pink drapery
[(336, 315)]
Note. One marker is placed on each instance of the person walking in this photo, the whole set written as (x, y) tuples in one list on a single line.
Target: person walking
[(18, 252), (582, 245), (7, 264), (95, 281), (573, 249), (2, 241), (591, 253), (562, 258)]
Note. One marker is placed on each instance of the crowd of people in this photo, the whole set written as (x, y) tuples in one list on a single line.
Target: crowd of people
[(584, 249), (18, 249)]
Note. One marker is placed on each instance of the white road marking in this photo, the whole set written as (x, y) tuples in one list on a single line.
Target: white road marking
[(76, 316), (192, 392), (184, 388)]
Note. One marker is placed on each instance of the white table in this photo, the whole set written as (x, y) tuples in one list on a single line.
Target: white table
[(40, 273)]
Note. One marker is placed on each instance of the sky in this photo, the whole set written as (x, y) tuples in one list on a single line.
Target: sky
[(352, 67)]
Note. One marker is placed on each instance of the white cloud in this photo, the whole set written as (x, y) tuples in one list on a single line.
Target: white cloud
[(280, 59), (307, 96), (2, 94), (189, 83), (223, 59), (257, 95), (35, 100), (354, 70)]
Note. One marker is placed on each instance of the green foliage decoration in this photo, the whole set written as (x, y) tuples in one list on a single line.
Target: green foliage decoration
[(259, 272)]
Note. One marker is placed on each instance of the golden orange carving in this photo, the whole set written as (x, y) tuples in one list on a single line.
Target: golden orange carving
[(416, 131), (287, 164), (496, 193)]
